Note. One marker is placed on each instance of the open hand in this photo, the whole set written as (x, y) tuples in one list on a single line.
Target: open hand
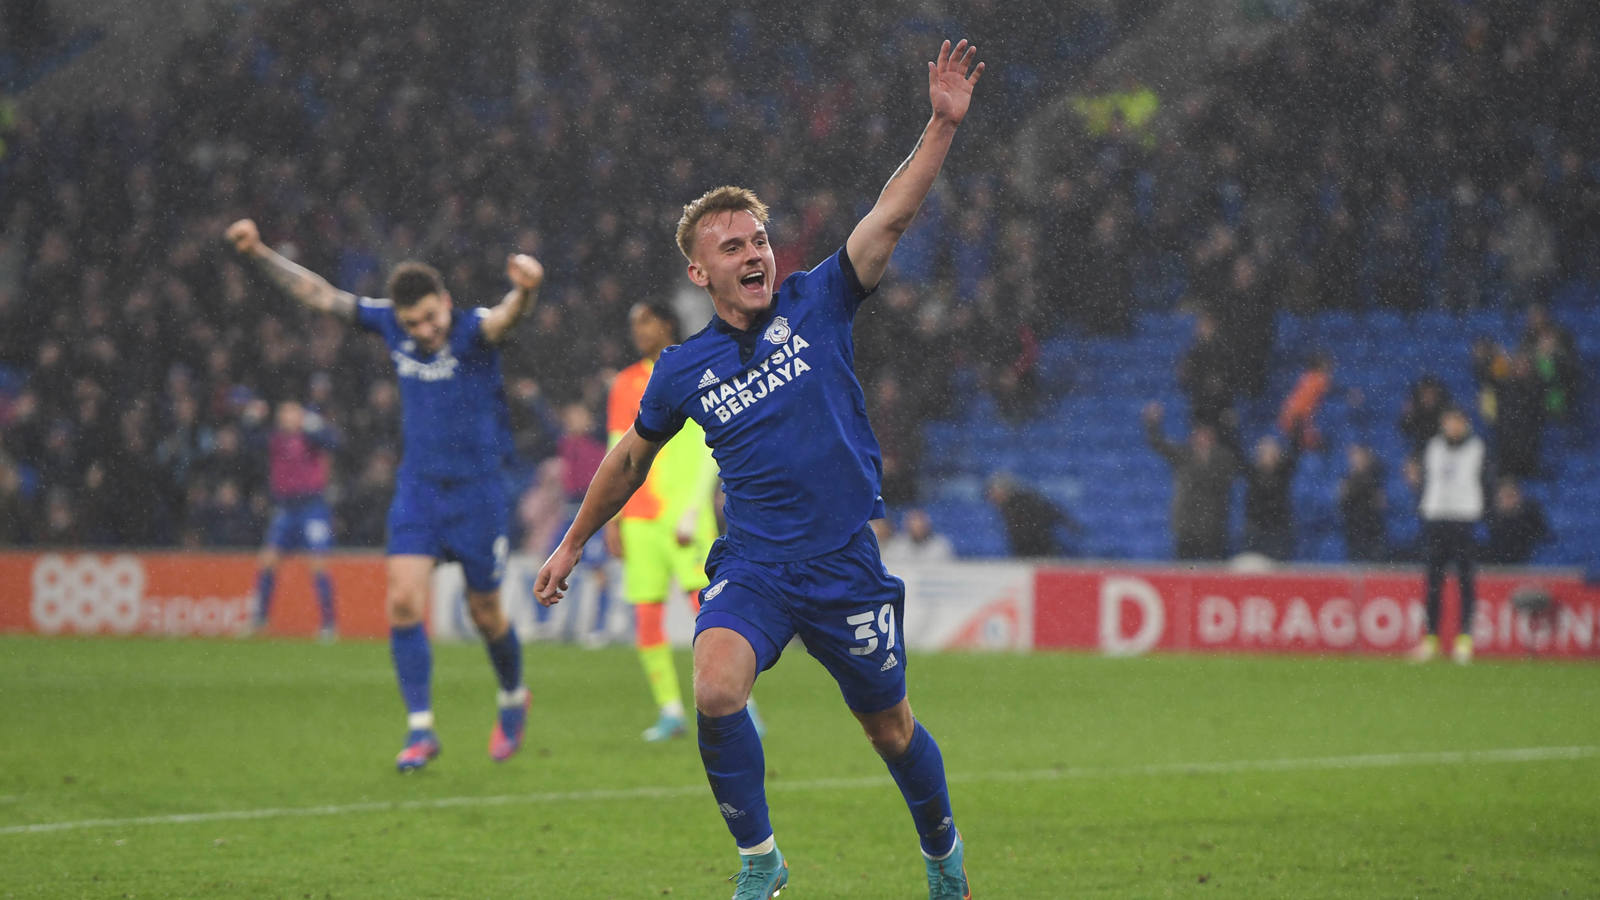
[(949, 86), (245, 237), (524, 271)]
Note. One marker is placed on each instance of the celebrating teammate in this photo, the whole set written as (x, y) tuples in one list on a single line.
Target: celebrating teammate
[(666, 528), (449, 501), (297, 458), (771, 382)]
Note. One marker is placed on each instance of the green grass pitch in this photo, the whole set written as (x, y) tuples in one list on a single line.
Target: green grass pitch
[(1071, 777)]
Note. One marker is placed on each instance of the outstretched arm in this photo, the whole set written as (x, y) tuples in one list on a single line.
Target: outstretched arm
[(620, 474), (950, 92), (526, 275), (297, 281)]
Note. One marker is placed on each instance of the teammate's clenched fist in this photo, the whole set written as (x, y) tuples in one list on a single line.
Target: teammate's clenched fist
[(245, 237), (524, 271)]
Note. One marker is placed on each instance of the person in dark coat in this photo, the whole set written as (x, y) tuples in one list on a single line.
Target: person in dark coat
[(1362, 507), (1202, 475), (1516, 526), (1419, 419), (1519, 419), (1268, 500), (1030, 519)]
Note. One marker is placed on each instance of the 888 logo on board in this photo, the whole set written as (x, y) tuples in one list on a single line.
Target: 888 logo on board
[(92, 594), (87, 594)]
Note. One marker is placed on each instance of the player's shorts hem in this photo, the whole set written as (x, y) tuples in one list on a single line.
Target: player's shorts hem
[(871, 708), (766, 651)]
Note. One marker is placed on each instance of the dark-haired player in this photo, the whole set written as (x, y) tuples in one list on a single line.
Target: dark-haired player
[(449, 501), (771, 381)]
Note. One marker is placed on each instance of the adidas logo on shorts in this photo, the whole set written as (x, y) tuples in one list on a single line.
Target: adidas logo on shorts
[(708, 379), (889, 664)]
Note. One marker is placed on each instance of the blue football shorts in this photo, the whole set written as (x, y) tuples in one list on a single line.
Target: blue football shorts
[(844, 606), (453, 521), (302, 523)]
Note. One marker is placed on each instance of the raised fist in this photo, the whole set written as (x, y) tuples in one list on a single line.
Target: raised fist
[(524, 271), (245, 237)]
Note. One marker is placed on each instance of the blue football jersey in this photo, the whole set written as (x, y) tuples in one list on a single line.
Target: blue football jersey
[(784, 416), (453, 417)]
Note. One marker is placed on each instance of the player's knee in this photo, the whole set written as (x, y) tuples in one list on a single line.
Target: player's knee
[(404, 604), (717, 695), (890, 731), (484, 608)]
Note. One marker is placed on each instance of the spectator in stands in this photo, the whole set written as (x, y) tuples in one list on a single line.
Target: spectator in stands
[(1490, 366), (1203, 374), (1203, 471), (1516, 526), (1030, 519), (1298, 415), (226, 520), (13, 507), (1269, 521), (1519, 419), (364, 512), (1419, 418), (1452, 506), (1363, 507), (899, 440), (916, 542)]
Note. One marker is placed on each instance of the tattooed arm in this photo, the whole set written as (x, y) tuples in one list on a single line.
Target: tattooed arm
[(950, 92), (297, 281)]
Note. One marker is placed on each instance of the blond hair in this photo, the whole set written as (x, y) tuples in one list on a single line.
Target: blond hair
[(723, 199)]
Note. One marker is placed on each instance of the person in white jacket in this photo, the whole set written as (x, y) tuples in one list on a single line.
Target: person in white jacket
[(1452, 505)]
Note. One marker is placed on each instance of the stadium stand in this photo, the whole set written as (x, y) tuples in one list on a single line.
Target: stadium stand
[(1024, 327)]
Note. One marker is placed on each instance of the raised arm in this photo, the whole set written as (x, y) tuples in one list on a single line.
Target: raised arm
[(526, 275), (950, 92), (620, 474), (297, 281)]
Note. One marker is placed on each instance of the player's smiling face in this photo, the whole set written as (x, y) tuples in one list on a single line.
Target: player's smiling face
[(427, 321), (733, 262)]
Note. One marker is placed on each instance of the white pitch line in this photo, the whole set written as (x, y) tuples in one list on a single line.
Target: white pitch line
[(1302, 764)]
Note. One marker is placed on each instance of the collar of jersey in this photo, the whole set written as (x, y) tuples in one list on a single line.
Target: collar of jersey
[(746, 338)]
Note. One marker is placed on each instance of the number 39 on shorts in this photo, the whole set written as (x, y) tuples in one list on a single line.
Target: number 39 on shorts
[(864, 622)]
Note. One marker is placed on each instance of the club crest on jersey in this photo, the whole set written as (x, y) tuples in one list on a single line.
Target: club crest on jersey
[(778, 331)]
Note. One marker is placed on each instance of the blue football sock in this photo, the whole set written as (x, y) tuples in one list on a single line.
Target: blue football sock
[(413, 666), (505, 654), (737, 770), (266, 580), (920, 774), (325, 598)]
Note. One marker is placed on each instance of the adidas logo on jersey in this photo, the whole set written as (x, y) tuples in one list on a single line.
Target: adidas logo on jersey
[(708, 379), (728, 812), (890, 663)]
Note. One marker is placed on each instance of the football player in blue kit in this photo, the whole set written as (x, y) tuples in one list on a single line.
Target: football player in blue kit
[(772, 383), (449, 501)]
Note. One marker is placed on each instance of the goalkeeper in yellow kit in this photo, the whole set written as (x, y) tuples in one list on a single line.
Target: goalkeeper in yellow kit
[(666, 529)]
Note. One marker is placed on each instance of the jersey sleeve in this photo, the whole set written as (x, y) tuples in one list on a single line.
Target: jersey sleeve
[(371, 314), (659, 418), (472, 334), (835, 284)]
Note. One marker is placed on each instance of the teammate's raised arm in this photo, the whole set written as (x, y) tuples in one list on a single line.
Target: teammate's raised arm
[(620, 474), (297, 281), (950, 92), (526, 275)]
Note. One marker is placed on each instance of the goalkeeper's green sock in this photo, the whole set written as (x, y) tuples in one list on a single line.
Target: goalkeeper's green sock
[(663, 677)]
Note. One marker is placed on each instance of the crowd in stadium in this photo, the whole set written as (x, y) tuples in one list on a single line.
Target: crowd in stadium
[(1375, 154)]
